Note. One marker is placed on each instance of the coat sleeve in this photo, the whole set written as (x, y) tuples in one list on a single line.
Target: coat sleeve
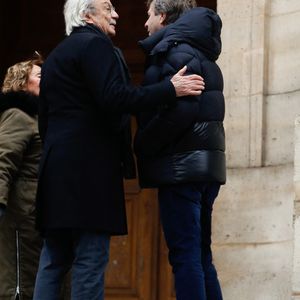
[(103, 78), (170, 123), (15, 135)]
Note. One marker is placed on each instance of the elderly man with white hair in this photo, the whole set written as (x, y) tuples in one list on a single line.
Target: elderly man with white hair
[(80, 198)]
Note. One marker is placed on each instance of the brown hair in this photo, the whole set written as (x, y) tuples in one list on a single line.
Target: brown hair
[(17, 75), (172, 8)]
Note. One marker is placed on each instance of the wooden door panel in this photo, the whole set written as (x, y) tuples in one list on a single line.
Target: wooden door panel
[(133, 257)]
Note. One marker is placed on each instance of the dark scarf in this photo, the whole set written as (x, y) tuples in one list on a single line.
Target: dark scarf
[(26, 102)]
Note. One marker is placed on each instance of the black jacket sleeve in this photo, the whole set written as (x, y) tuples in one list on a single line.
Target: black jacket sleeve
[(170, 123), (101, 71), (42, 117)]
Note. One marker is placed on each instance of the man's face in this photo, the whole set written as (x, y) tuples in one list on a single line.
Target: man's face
[(104, 17), (154, 22)]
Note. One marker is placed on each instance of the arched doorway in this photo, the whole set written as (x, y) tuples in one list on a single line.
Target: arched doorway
[(138, 268)]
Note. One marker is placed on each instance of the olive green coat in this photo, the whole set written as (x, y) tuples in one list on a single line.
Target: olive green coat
[(20, 244)]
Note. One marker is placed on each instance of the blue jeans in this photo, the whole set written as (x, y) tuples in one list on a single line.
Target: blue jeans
[(85, 253), (186, 212)]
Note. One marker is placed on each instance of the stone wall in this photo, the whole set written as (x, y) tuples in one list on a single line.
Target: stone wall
[(296, 274), (253, 220)]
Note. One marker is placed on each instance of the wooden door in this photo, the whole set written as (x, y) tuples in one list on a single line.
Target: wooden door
[(133, 266), (133, 260), (160, 273)]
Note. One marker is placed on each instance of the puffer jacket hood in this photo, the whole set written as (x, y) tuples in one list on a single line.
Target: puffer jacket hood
[(200, 27), (26, 102)]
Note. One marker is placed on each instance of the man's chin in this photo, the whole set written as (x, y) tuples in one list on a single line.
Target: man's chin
[(112, 32)]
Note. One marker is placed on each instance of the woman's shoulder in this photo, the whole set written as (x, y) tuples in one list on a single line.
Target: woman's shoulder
[(16, 116)]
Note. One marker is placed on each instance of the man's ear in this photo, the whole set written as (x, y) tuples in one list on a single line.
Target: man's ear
[(88, 19), (162, 18)]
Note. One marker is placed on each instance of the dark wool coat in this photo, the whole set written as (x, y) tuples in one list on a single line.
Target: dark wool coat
[(184, 142), (83, 99), (20, 151)]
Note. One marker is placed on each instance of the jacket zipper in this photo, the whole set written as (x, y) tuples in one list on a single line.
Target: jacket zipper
[(17, 294)]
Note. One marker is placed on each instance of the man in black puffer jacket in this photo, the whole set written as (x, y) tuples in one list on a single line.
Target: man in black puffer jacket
[(181, 148)]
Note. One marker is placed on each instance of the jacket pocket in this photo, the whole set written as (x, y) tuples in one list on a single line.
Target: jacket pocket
[(21, 201)]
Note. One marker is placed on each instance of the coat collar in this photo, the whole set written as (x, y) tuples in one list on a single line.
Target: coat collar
[(28, 103), (91, 28), (149, 43)]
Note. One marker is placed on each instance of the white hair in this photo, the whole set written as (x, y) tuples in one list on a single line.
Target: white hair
[(75, 11)]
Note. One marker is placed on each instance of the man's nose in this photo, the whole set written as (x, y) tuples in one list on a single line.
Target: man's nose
[(115, 14)]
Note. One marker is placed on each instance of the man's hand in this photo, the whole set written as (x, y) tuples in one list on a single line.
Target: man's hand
[(190, 85)]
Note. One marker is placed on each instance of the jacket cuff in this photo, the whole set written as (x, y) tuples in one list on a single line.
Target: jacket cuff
[(3, 195), (3, 202), (164, 92)]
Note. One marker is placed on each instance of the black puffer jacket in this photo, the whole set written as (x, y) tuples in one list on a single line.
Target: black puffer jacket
[(184, 142)]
